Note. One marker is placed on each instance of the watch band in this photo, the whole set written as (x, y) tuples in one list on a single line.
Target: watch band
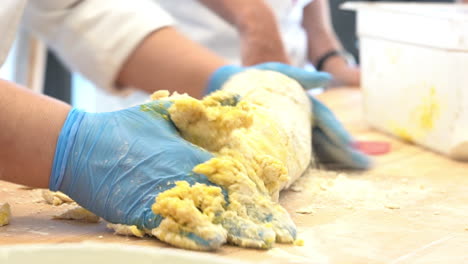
[(342, 53)]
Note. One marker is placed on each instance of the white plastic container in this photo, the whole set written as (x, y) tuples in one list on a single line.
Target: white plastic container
[(414, 60)]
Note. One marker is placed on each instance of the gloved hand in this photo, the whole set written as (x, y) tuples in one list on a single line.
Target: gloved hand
[(115, 164), (332, 144)]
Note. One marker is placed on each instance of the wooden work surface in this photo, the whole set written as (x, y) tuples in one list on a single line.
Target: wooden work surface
[(411, 208)]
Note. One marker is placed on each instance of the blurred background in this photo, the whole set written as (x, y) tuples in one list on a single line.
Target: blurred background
[(26, 63)]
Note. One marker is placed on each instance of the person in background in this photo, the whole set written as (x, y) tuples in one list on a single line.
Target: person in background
[(247, 32), (115, 164)]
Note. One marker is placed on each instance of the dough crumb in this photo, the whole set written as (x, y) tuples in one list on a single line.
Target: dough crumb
[(5, 214), (75, 213), (299, 242), (160, 94), (392, 206), (306, 210), (56, 198), (126, 230), (296, 188), (78, 213)]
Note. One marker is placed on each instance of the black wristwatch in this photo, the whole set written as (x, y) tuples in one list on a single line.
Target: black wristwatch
[(348, 57)]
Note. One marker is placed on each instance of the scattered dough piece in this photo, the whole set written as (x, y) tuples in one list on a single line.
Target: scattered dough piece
[(75, 213), (296, 188), (78, 213), (126, 230), (392, 206), (305, 210), (299, 242), (5, 214), (56, 198)]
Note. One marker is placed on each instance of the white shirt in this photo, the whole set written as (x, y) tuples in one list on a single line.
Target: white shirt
[(10, 15), (203, 26), (93, 37)]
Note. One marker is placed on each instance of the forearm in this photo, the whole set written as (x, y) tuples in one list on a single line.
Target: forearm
[(105, 39), (320, 34), (167, 60), (30, 125), (257, 27), (321, 40)]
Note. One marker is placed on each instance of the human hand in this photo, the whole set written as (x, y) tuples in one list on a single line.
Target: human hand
[(343, 73), (115, 164), (334, 147), (308, 79), (348, 76), (332, 144)]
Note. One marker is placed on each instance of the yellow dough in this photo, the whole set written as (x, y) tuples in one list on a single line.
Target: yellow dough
[(55, 198), (5, 214), (284, 101), (126, 230), (261, 144), (75, 213), (259, 129), (78, 213)]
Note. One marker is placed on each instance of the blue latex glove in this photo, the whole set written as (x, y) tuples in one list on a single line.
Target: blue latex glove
[(332, 144), (114, 164)]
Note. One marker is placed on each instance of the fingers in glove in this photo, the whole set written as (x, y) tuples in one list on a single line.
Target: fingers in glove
[(245, 233), (268, 213), (327, 122), (336, 156), (220, 76), (207, 238), (308, 79)]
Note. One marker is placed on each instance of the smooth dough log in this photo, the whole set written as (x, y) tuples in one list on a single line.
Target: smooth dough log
[(273, 117), (285, 100)]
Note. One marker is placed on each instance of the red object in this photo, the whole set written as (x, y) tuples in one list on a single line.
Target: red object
[(373, 147)]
